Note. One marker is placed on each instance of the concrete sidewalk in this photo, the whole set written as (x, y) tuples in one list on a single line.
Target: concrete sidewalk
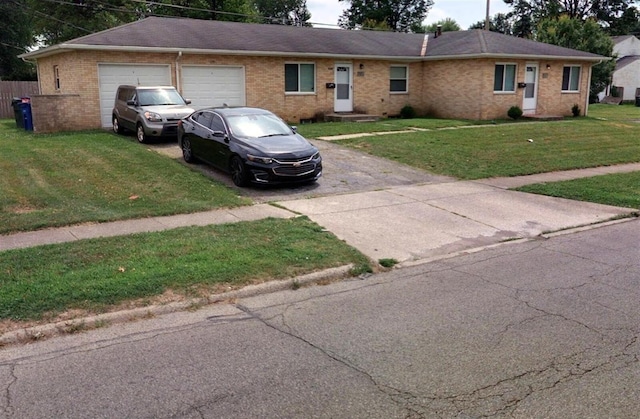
[(406, 223), (143, 225)]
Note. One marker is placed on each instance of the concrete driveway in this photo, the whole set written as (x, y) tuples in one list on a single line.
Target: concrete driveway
[(345, 171), (389, 210)]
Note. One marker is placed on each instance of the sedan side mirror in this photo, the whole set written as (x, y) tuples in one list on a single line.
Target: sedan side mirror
[(294, 129)]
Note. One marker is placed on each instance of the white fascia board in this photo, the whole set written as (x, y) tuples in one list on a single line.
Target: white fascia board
[(516, 57), (76, 47)]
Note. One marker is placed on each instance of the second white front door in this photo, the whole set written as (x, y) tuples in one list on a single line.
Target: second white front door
[(529, 102), (343, 99)]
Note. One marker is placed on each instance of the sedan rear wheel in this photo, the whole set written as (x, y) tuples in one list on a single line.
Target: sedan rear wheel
[(238, 171), (187, 151), (140, 135)]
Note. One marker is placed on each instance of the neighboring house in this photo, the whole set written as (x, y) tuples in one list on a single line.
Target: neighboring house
[(627, 72), (306, 73)]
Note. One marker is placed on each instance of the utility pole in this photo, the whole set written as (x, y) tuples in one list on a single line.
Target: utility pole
[(486, 19)]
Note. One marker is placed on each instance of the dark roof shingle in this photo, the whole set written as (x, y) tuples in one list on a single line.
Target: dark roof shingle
[(210, 36)]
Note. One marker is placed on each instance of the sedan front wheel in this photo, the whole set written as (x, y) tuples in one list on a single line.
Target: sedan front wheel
[(238, 171)]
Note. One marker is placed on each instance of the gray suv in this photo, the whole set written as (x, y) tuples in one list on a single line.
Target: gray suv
[(150, 111)]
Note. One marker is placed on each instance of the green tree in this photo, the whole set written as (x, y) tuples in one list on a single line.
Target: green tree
[(285, 12), (16, 37), (628, 23), (56, 22), (500, 22), (228, 10), (582, 35), (529, 13), (397, 15), (446, 25)]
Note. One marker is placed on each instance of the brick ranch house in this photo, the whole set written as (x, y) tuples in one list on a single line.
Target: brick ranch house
[(305, 73)]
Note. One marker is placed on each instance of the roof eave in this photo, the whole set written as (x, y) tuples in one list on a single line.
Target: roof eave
[(515, 57), (57, 49)]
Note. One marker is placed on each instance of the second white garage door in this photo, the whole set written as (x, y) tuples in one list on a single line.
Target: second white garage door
[(213, 86)]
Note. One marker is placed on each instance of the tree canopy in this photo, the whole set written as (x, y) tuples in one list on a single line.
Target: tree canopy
[(528, 14), (58, 21), (16, 36), (394, 15), (582, 35), (446, 25)]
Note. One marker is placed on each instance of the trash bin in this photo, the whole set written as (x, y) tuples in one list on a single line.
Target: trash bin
[(27, 117), (637, 100), (17, 111)]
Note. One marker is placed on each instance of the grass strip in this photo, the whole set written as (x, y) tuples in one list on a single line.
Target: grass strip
[(620, 190), (93, 275)]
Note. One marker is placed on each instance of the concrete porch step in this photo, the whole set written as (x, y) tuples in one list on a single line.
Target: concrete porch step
[(539, 117), (350, 117)]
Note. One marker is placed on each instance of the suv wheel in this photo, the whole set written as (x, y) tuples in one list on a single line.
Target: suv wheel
[(140, 135), (116, 125)]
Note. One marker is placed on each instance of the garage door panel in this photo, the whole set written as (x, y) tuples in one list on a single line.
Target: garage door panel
[(213, 85), (113, 75)]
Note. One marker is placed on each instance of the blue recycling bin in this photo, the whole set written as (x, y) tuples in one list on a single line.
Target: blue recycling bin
[(27, 117)]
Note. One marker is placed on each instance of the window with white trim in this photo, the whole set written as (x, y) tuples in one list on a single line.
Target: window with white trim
[(398, 78), (299, 78), (505, 78), (571, 78)]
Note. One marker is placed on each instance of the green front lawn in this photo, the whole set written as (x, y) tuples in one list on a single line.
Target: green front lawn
[(94, 275), (622, 190), (511, 149), (68, 178)]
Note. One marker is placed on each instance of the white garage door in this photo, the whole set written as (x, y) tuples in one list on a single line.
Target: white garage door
[(113, 75), (213, 85)]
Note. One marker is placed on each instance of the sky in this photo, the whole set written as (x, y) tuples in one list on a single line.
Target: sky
[(465, 12)]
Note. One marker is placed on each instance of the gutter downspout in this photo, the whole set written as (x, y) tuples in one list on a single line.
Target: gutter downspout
[(178, 71), (35, 62), (586, 103)]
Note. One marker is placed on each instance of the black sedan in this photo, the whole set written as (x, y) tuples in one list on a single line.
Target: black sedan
[(251, 144)]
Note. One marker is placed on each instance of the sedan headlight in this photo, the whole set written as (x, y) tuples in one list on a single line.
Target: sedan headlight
[(258, 159), (153, 117)]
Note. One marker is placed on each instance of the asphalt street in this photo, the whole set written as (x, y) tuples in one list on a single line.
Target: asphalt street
[(545, 328)]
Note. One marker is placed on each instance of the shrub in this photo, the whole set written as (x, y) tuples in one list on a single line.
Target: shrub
[(514, 112), (575, 110), (407, 112)]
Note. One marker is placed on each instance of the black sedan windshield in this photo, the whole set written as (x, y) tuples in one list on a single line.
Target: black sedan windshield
[(257, 126)]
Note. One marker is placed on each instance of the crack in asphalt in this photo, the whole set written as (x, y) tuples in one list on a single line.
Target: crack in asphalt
[(7, 408), (389, 391)]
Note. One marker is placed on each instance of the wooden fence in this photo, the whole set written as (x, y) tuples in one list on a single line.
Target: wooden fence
[(11, 89)]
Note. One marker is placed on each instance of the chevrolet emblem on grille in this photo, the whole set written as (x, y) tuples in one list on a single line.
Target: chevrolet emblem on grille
[(296, 164)]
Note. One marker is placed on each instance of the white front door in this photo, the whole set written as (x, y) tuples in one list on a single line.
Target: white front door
[(343, 99), (531, 90)]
